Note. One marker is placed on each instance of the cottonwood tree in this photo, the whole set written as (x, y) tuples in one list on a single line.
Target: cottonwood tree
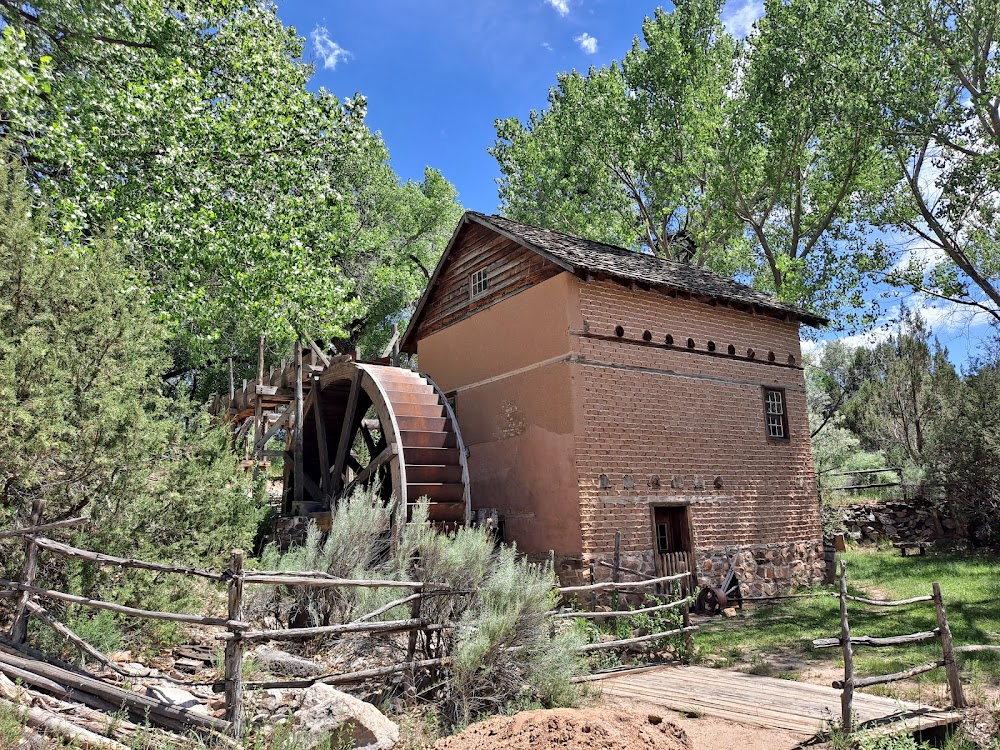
[(801, 155), (939, 89), (757, 159), (626, 154), (253, 204)]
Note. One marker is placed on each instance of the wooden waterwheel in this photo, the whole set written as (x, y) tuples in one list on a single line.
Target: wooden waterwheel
[(362, 424)]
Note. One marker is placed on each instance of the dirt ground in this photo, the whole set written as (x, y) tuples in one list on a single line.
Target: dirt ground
[(709, 733), (571, 729)]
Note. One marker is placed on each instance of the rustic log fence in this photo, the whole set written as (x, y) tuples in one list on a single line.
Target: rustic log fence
[(235, 633), (847, 642)]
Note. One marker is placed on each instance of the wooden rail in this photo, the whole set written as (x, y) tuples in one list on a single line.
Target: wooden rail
[(847, 642), (236, 633)]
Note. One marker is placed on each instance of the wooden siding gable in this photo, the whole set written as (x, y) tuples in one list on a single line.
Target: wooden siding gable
[(511, 268)]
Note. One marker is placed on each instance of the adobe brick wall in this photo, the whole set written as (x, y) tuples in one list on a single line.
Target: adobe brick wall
[(672, 425)]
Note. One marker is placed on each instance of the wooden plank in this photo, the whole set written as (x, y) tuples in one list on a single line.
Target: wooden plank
[(321, 446), (764, 701)]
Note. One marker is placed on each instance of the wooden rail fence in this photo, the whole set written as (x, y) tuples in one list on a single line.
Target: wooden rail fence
[(236, 633), (847, 642)]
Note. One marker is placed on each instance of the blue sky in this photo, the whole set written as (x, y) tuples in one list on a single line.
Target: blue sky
[(437, 73)]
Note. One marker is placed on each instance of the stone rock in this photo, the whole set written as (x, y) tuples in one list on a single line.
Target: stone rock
[(326, 712), (286, 664), (729, 612), (178, 698)]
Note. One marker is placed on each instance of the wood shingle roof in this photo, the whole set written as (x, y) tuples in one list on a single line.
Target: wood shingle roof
[(588, 258)]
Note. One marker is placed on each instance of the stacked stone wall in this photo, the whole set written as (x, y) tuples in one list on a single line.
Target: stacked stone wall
[(897, 521)]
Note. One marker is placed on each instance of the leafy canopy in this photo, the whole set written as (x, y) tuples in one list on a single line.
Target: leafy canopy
[(253, 204), (756, 158)]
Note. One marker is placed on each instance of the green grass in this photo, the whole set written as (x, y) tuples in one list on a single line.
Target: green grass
[(780, 634)]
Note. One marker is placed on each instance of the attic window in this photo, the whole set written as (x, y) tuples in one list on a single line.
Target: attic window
[(775, 414), (479, 283)]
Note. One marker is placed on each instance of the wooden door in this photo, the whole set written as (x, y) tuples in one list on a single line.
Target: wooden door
[(672, 542)]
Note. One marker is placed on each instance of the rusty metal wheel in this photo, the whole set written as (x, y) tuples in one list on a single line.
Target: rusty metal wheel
[(711, 600)]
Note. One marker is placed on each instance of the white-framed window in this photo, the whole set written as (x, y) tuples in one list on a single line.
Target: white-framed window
[(479, 283), (775, 414)]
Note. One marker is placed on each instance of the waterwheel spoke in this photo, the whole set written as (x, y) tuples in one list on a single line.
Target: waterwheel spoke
[(346, 435)]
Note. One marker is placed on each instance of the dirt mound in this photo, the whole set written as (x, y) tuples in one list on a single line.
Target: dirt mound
[(570, 729)]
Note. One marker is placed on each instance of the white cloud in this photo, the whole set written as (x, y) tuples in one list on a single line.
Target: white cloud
[(950, 317), (739, 16), (561, 6), (587, 43), (547, 46), (326, 49)]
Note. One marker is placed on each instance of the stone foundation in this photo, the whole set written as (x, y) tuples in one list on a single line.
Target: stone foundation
[(764, 569)]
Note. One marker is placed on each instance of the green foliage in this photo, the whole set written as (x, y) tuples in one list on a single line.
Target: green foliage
[(964, 453), (746, 157), (254, 204), (88, 428), (502, 651), (936, 75)]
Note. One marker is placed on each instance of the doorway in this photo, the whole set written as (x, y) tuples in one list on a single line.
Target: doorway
[(673, 543)]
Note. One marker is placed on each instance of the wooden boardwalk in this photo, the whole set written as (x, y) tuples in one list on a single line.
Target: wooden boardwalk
[(766, 701)]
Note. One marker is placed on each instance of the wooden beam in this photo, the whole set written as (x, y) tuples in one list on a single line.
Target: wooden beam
[(867, 640), (299, 476), (324, 451), (948, 650), (365, 474), (121, 562), (274, 428), (346, 432), (325, 360), (158, 713)]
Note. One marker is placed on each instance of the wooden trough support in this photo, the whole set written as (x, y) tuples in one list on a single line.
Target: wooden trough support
[(847, 642)]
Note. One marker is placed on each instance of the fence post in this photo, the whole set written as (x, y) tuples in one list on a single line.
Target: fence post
[(948, 649), (411, 655), (847, 696), (593, 594), (234, 648), (19, 628), (685, 622)]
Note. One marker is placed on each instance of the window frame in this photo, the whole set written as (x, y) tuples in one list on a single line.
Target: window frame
[(786, 436), (479, 280)]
